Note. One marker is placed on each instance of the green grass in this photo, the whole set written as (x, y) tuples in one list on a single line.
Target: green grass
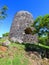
[(20, 60), (5, 61), (15, 55)]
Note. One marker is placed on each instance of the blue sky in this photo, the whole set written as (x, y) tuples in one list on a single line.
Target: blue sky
[(36, 7)]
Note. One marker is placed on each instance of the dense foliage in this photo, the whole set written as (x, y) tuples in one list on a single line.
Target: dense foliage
[(41, 25), (5, 34)]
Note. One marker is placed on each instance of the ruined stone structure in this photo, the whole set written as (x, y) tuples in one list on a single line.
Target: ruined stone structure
[(22, 20)]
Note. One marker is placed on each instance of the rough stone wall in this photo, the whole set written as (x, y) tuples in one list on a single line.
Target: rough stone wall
[(28, 38), (22, 20)]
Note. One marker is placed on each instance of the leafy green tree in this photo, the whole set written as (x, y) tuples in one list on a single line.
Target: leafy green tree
[(3, 13), (5, 34), (41, 25)]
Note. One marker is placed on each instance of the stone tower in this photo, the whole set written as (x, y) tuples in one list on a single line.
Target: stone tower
[(22, 20)]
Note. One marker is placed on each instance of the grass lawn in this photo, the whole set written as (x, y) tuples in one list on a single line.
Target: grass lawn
[(15, 55)]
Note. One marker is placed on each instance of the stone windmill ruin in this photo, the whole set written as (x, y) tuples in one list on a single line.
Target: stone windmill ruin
[(22, 20)]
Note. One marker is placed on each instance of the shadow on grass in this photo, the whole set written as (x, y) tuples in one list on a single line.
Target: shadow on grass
[(42, 51)]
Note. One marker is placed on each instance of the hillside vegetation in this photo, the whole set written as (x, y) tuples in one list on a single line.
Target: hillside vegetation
[(16, 54)]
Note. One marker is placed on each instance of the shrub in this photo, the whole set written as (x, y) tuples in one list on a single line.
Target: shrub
[(43, 40), (5, 34)]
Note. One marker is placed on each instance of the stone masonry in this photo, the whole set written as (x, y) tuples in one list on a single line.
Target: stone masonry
[(22, 20)]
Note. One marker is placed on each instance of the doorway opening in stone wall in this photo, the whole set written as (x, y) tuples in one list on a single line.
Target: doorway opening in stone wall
[(28, 30)]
